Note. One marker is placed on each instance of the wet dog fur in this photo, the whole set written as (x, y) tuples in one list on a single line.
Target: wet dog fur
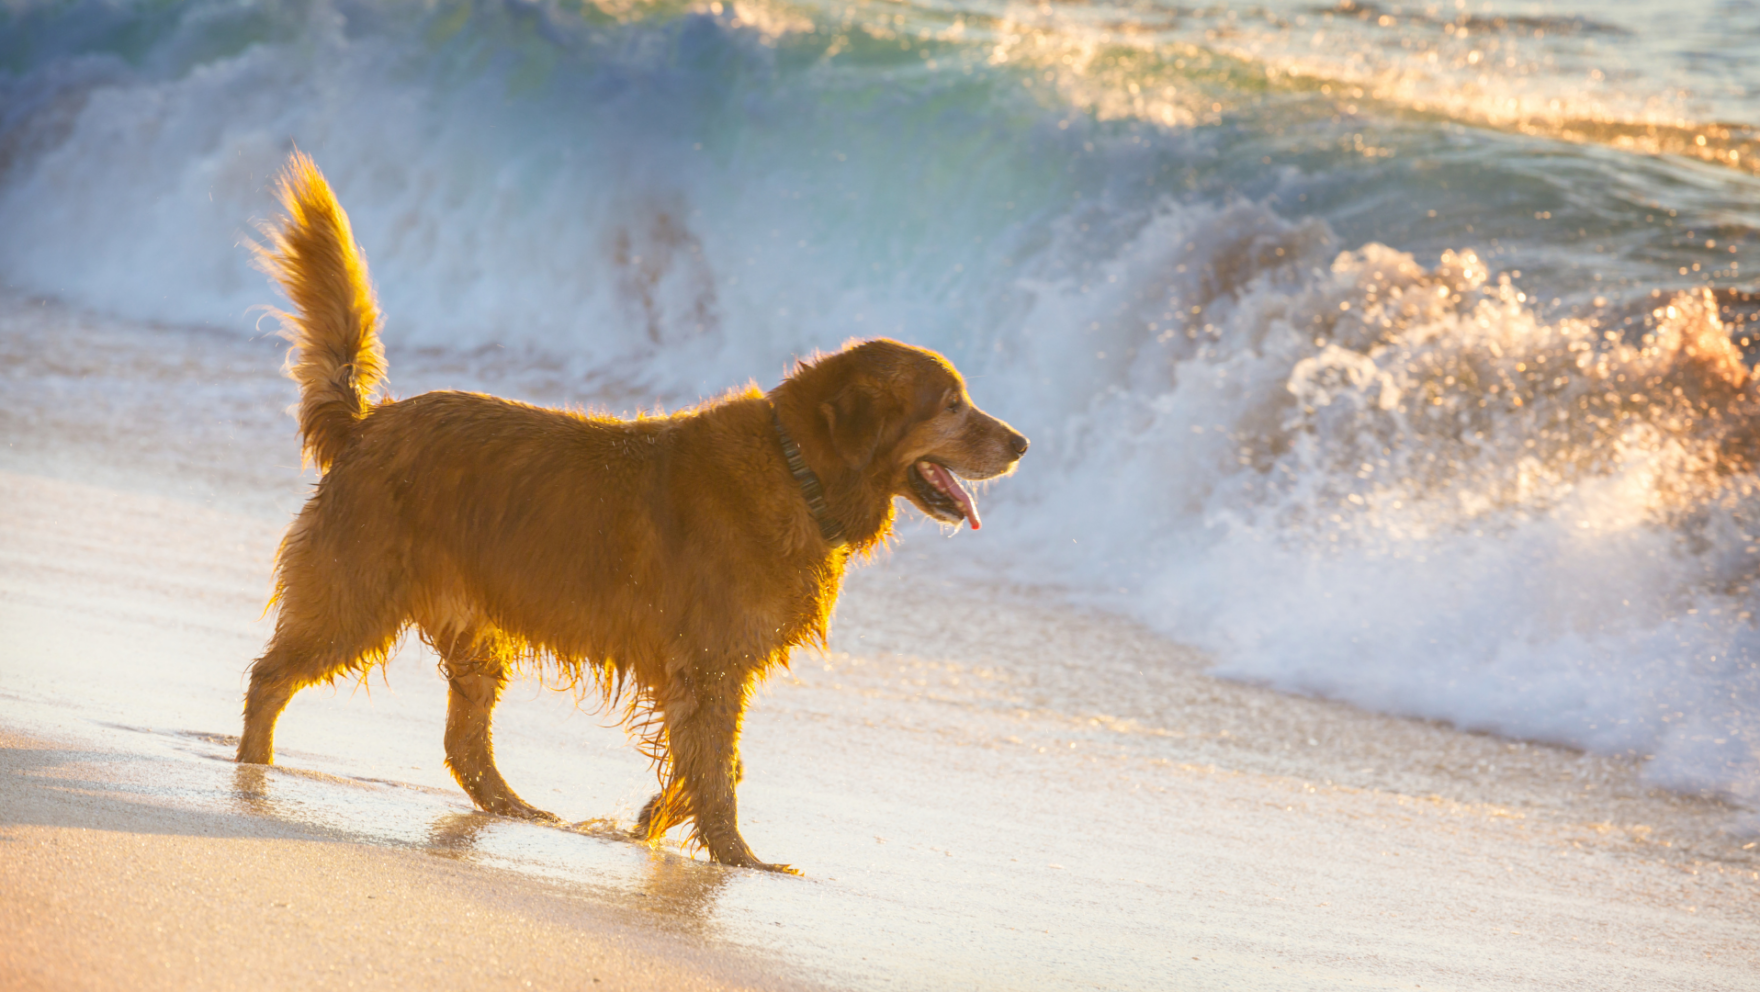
[(670, 561)]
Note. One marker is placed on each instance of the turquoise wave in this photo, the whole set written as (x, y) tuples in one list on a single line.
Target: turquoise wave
[(1395, 356)]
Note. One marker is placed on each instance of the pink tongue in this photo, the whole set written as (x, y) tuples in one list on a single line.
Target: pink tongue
[(951, 487)]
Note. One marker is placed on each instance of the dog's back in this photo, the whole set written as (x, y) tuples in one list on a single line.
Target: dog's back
[(587, 540)]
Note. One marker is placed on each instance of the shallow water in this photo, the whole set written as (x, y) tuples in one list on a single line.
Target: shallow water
[(1364, 347), (984, 787), (959, 825)]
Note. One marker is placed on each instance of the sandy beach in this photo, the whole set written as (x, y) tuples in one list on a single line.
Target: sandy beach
[(984, 787), (106, 891)]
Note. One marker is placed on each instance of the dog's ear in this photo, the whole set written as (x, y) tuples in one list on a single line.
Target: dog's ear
[(854, 419)]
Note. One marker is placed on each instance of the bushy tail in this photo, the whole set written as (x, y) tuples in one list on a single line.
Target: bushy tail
[(337, 357)]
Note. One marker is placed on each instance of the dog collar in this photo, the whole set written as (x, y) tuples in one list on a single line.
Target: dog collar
[(811, 488)]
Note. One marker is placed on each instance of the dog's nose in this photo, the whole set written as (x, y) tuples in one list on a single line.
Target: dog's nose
[(1018, 444)]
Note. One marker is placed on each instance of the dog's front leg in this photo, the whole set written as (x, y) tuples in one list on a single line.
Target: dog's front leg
[(704, 745)]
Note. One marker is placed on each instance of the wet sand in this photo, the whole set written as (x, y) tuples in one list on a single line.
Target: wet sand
[(986, 788), (105, 891)]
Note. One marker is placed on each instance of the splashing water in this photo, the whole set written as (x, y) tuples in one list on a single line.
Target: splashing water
[(1376, 349)]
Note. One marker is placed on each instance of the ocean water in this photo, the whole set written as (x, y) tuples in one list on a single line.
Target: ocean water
[(1393, 353)]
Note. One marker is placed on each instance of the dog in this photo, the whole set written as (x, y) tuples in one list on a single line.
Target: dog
[(667, 562)]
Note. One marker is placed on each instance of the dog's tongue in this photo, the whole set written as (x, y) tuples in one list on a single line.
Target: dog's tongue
[(949, 484)]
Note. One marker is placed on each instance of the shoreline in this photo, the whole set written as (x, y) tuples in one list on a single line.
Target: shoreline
[(986, 787), (107, 889), (911, 774)]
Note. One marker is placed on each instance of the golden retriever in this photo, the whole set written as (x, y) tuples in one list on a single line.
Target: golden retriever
[(670, 560)]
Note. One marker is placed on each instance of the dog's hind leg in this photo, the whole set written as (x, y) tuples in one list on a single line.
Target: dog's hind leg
[(307, 648), (334, 615), (275, 677), (476, 671)]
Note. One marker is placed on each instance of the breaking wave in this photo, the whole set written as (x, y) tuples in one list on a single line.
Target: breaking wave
[(1379, 375)]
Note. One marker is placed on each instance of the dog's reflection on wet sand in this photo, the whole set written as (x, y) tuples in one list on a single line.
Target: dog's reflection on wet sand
[(680, 891)]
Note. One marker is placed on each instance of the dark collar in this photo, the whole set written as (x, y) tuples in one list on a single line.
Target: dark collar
[(811, 488)]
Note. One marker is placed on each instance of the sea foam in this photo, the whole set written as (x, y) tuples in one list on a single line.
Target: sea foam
[(1342, 468)]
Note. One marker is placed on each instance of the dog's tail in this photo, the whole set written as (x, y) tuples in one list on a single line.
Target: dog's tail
[(337, 357)]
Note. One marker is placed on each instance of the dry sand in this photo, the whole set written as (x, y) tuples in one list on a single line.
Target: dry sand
[(987, 788), (103, 891)]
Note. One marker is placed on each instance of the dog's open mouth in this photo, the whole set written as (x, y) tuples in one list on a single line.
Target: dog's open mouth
[(942, 494)]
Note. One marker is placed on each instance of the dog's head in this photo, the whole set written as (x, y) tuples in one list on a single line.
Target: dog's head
[(900, 417)]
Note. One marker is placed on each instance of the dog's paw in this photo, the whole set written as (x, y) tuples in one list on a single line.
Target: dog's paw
[(779, 869), (598, 826), (520, 810)]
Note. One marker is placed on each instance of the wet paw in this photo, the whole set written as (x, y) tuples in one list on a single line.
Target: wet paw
[(520, 810), (756, 865)]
